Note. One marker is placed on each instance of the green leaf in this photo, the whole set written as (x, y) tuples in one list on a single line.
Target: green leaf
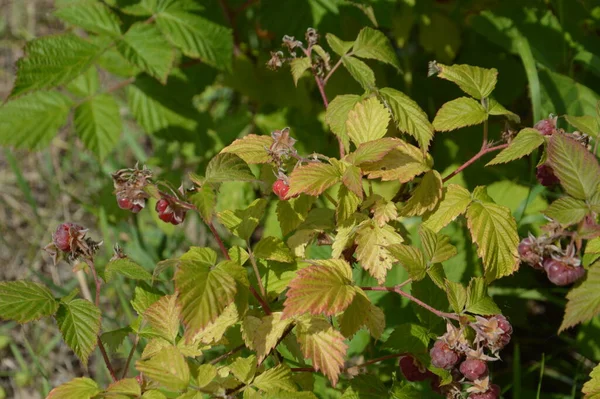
[(92, 16), (409, 117), (243, 222), (144, 296), (126, 386), (205, 200), (494, 230), (436, 246), (144, 46), (426, 196), (526, 141), (455, 114), (495, 108), (409, 338), (168, 368), (126, 267), (576, 167), (371, 251), (264, 334), (338, 46), (114, 339), (243, 368), (197, 37), (362, 313), (207, 372), (475, 81), (98, 124), (32, 121), (77, 388), (585, 124), (313, 179), (402, 164), (591, 388), (79, 324), (228, 167), (70, 56), (584, 300), (360, 71), (298, 67), (293, 212), (478, 300), (204, 293), (367, 121), (457, 295), (337, 115), (86, 84), (253, 149), (347, 204), (455, 200), (561, 94), (411, 259), (373, 44), (437, 274), (323, 288), (276, 379), (163, 316), (567, 211), (273, 248), (25, 301), (592, 252), (432, 295), (372, 151)]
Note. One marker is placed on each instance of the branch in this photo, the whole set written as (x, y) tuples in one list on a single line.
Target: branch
[(227, 354), (484, 150)]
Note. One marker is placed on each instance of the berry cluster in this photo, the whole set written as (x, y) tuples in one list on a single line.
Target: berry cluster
[(129, 188), (70, 239), (563, 267)]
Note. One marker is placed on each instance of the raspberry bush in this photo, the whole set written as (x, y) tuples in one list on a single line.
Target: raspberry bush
[(342, 260)]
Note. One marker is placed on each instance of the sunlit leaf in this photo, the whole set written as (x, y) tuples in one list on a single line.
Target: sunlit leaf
[(373, 44), (367, 121), (455, 200), (25, 301), (252, 148), (567, 210), (478, 300), (526, 141), (77, 388), (426, 196), (313, 179), (459, 113), (475, 81), (168, 367), (584, 300), (371, 251), (79, 324)]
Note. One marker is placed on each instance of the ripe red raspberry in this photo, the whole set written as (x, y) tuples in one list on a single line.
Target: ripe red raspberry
[(64, 236), (281, 189), (546, 126), (136, 208), (528, 252), (412, 370), (545, 175), (162, 205), (442, 356), (492, 393), (124, 203), (165, 213), (473, 369), (560, 273)]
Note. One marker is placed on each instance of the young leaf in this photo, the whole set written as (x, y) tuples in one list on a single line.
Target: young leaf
[(409, 117), (293, 212), (372, 151), (114, 339), (337, 115), (362, 313), (585, 124), (70, 56), (494, 230), (591, 388), (323, 288), (276, 379), (77, 388), (298, 67), (144, 296), (144, 46), (426, 196), (98, 124), (367, 121), (436, 246), (92, 16), (410, 258), (409, 338), (347, 204), (338, 46), (463, 111), (576, 167), (205, 200), (163, 316), (360, 71), (384, 211), (584, 300), (25, 301), (478, 300), (323, 345), (475, 81), (265, 333), (197, 37), (79, 323), (526, 141), (437, 274), (313, 179), (168, 367), (371, 251), (203, 293), (454, 203), (32, 121), (402, 164), (567, 210), (592, 252), (243, 368), (457, 295), (495, 108), (127, 268), (228, 167), (273, 248), (352, 179), (253, 149), (243, 222), (126, 386), (373, 44)]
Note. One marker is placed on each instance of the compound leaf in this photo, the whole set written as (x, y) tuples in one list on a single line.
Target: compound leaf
[(371, 252), (313, 179), (98, 124)]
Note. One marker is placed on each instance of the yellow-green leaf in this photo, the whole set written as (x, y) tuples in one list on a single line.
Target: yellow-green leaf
[(244, 368), (163, 316), (293, 212), (567, 210), (478, 300), (266, 333), (339, 46), (25, 301), (402, 164), (126, 386), (253, 149), (337, 115), (362, 313), (410, 258), (526, 141), (168, 367), (495, 108), (276, 379), (313, 179), (298, 67), (591, 388), (78, 388), (127, 268), (243, 222), (584, 300), (347, 204), (457, 295), (371, 252), (79, 323), (372, 151), (352, 179), (586, 124), (461, 112), (426, 196), (367, 121), (273, 248), (360, 71), (227, 167), (475, 81), (373, 44), (455, 200), (436, 246), (205, 200)]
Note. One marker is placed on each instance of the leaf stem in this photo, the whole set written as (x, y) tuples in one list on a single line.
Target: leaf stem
[(398, 290), (256, 272), (227, 354), (130, 356), (475, 157), (336, 66)]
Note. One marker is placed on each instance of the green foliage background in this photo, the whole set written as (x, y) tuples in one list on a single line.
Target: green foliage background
[(546, 53)]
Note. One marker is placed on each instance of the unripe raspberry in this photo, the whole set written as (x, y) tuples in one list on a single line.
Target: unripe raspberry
[(124, 203), (528, 253), (412, 370), (546, 126), (442, 356), (492, 393), (473, 369), (560, 273), (545, 175), (64, 236), (281, 189)]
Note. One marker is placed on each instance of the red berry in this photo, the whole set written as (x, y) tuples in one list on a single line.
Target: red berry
[(64, 235), (136, 208), (560, 273), (178, 217), (545, 175), (546, 126), (161, 205), (166, 217), (473, 369), (442, 356), (124, 203), (281, 189), (412, 370), (492, 393), (528, 253)]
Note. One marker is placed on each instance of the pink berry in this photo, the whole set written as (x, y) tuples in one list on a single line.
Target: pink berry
[(124, 203), (546, 126), (545, 175), (528, 254), (442, 356), (281, 189), (162, 205), (473, 369), (412, 370), (64, 235), (492, 393), (561, 274), (166, 217), (178, 217)]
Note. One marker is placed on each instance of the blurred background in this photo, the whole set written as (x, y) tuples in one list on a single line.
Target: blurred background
[(550, 47)]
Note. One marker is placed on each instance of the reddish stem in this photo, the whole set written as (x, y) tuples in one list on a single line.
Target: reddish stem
[(481, 153), (367, 363)]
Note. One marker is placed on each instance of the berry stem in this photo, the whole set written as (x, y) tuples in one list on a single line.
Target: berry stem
[(475, 157), (398, 290)]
